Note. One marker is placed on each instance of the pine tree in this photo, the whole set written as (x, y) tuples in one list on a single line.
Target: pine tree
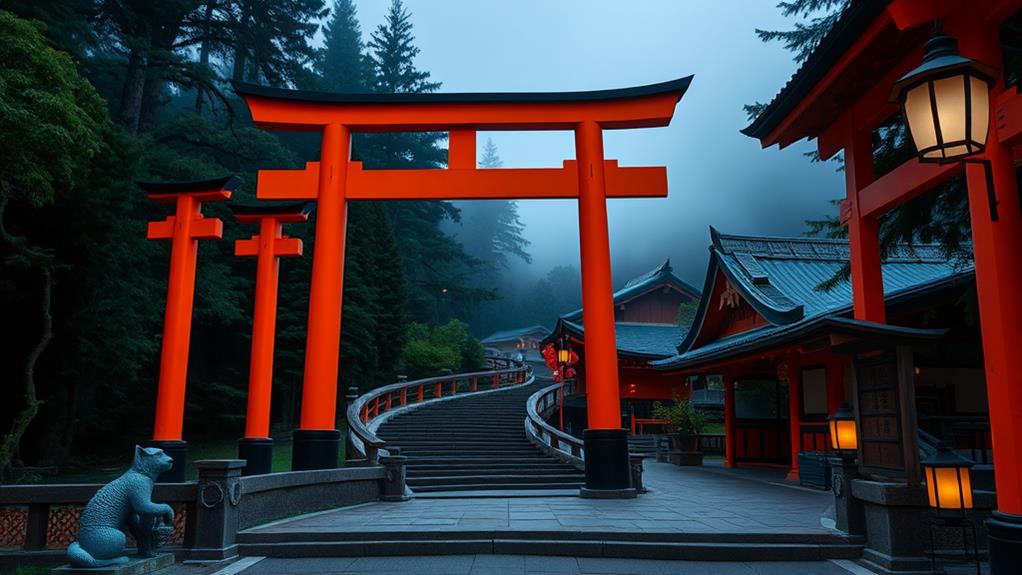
[(940, 216), (340, 65), (438, 269), (492, 232)]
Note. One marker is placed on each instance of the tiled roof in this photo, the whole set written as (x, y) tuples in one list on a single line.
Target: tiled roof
[(778, 277), (661, 275), (849, 26), (640, 340), (538, 331)]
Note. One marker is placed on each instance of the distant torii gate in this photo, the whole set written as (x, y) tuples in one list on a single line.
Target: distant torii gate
[(590, 179)]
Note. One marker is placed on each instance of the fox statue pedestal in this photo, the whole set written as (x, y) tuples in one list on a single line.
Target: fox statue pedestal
[(125, 502)]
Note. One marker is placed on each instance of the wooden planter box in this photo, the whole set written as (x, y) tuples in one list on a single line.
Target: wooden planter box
[(814, 469)]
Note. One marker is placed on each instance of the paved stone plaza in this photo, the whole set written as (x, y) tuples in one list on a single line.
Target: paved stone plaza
[(681, 500), (532, 565)]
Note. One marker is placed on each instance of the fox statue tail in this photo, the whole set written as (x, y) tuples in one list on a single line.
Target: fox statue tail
[(79, 557)]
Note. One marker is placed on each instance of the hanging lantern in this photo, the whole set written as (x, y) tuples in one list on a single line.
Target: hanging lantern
[(946, 102), (564, 353), (947, 480), (843, 434)]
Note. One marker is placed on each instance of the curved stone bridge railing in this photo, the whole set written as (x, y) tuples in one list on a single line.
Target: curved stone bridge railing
[(548, 438), (368, 411)]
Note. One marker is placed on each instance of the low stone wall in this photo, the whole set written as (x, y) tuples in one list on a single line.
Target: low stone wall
[(897, 525), (39, 521), (278, 495)]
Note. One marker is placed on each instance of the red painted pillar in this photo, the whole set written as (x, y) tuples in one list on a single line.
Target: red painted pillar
[(183, 229), (729, 420), (268, 246), (795, 415), (606, 442), (317, 442), (863, 232), (835, 384), (997, 248)]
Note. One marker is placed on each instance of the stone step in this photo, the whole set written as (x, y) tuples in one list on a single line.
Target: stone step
[(520, 467), (474, 460), (470, 486), (511, 545), (565, 477)]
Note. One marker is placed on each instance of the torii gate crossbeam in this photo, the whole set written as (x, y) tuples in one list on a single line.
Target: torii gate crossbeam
[(590, 178)]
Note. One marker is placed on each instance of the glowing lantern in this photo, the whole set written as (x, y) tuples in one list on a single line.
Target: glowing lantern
[(843, 434), (947, 480)]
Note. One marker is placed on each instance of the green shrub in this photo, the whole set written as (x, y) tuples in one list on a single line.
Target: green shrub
[(684, 417), (448, 347)]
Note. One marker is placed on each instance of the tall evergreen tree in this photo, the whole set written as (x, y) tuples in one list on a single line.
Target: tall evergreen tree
[(340, 65), (938, 216), (438, 269), (491, 231)]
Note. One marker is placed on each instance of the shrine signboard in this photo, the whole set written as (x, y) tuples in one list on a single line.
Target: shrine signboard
[(884, 394)]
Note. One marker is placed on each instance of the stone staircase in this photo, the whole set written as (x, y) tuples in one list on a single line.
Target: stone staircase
[(475, 443)]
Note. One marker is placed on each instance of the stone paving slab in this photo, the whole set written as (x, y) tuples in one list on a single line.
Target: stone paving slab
[(681, 500), (534, 565)]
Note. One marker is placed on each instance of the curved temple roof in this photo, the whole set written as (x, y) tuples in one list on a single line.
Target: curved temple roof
[(778, 277)]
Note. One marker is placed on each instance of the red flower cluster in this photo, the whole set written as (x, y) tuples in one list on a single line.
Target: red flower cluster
[(550, 359)]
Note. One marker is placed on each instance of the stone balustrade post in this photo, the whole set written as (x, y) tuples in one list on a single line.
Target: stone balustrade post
[(849, 512), (218, 496), (349, 448), (392, 487), (635, 462)]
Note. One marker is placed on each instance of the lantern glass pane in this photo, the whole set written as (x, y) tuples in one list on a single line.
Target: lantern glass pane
[(930, 483), (946, 480), (919, 116), (833, 435), (562, 356), (966, 487), (980, 104), (950, 96), (846, 436)]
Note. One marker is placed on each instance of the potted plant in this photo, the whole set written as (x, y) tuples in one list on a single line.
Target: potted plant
[(685, 423)]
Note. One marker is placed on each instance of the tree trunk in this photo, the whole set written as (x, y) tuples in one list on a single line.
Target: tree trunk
[(152, 89), (241, 44), (131, 94), (12, 439), (204, 52)]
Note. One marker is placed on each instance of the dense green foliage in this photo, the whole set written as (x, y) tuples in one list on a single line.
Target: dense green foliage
[(447, 347), (86, 289)]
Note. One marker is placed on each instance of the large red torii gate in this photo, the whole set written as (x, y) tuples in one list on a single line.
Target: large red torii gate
[(590, 178)]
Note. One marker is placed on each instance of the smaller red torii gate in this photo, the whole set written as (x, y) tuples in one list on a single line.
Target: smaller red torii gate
[(590, 179)]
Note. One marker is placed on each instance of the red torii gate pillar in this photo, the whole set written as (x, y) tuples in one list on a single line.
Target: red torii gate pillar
[(269, 245), (590, 179), (183, 229)]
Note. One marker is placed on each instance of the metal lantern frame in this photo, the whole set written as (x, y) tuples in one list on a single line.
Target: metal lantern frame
[(844, 414), (954, 517), (942, 61)]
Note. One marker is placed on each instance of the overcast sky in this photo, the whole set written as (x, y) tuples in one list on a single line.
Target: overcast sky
[(716, 176)]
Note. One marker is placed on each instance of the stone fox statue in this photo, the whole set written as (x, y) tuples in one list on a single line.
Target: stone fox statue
[(126, 500)]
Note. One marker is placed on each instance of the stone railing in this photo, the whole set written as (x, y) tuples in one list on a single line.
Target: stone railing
[(37, 522), (368, 411), (549, 439)]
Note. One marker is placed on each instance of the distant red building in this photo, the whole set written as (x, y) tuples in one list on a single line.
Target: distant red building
[(650, 322)]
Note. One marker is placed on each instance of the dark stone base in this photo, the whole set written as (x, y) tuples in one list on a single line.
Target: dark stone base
[(135, 566), (315, 449), (686, 458), (258, 454), (606, 461), (1005, 540), (627, 493), (178, 451)]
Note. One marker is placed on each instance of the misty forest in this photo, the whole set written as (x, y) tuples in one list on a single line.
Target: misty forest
[(103, 94)]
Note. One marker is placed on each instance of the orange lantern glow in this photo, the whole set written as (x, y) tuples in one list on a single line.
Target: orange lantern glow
[(843, 433), (948, 482)]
